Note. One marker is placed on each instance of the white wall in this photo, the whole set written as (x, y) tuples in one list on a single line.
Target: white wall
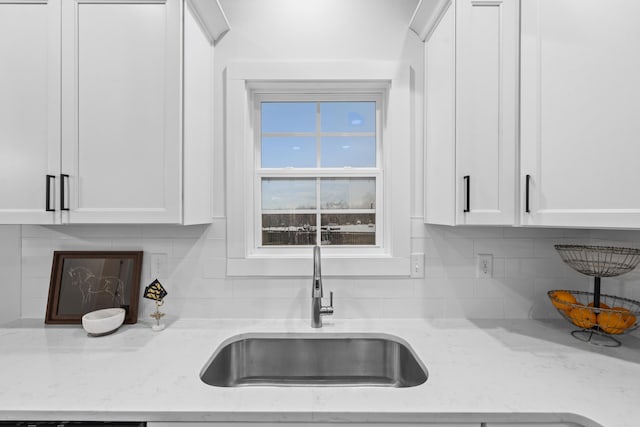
[(525, 263), (315, 30)]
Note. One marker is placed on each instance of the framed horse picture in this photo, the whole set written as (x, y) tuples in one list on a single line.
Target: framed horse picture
[(85, 281)]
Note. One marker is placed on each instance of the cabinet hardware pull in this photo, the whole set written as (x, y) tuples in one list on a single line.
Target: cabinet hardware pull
[(47, 195), (467, 180), (62, 196), (526, 196)]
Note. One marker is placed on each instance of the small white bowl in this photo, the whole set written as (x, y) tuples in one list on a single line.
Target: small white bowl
[(102, 322)]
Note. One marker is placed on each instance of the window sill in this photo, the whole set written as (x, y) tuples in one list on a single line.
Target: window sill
[(300, 267)]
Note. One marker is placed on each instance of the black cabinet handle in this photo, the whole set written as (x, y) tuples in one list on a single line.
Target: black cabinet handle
[(62, 195), (526, 195), (47, 195), (467, 206)]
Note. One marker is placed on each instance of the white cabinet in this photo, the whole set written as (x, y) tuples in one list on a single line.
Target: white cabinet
[(130, 125), (579, 114), (471, 99), (120, 111), (29, 110)]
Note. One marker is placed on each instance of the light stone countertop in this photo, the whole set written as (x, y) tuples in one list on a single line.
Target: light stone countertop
[(479, 371)]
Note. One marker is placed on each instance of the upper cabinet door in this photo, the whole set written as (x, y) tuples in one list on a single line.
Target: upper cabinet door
[(121, 109), (29, 111), (471, 106), (486, 110), (580, 118)]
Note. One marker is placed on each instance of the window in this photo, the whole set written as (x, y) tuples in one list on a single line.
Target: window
[(318, 162), (318, 153)]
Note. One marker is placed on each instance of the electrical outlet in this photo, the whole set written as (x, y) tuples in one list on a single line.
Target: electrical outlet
[(484, 266), (158, 265), (417, 265)]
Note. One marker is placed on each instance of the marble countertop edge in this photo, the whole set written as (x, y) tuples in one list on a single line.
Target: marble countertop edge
[(302, 416)]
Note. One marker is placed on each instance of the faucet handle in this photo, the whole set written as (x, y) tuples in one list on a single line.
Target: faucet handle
[(328, 309)]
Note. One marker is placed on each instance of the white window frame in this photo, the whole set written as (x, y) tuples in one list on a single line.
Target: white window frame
[(390, 81), (309, 95)]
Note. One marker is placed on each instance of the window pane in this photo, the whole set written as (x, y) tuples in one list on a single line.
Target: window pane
[(288, 117), (288, 194), (349, 193), (288, 229), (282, 152), (353, 151), (348, 229), (348, 116)]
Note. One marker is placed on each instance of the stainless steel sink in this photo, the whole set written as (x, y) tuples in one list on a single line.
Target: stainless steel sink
[(314, 360)]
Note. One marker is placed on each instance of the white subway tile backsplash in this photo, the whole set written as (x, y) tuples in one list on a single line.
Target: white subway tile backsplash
[(395, 308), (270, 288), (474, 308), (198, 288), (499, 267), (449, 250), (36, 266), (448, 288), (215, 268), (530, 233), (504, 248), (34, 307), (578, 283), (84, 243), (156, 245), (467, 232), (127, 244), (174, 231), (44, 231), (35, 287), (545, 248), (463, 268), (432, 308), (10, 244), (181, 248), (576, 233), (214, 248), (103, 231), (534, 267), (619, 237), (217, 229), (367, 288), (525, 267), (37, 247), (434, 268)]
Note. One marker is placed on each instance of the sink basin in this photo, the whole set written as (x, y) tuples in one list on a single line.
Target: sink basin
[(314, 360)]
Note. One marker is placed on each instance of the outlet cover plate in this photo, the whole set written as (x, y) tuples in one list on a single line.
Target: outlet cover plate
[(484, 266), (417, 265)]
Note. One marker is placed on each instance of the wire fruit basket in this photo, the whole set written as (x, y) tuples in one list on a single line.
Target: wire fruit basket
[(599, 261), (599, 316), (614, 316)]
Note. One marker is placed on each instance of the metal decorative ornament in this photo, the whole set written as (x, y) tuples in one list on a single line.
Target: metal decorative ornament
[(156, 292)]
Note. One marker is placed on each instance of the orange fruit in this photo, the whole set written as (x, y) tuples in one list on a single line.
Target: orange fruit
[(613, 322), (602, 305), (628, 317), (583, 317), (562, 300)]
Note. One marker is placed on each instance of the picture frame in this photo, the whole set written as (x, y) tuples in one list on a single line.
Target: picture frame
[(84, 281)]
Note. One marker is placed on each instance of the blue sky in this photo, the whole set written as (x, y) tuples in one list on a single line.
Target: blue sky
[(346, 122)]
